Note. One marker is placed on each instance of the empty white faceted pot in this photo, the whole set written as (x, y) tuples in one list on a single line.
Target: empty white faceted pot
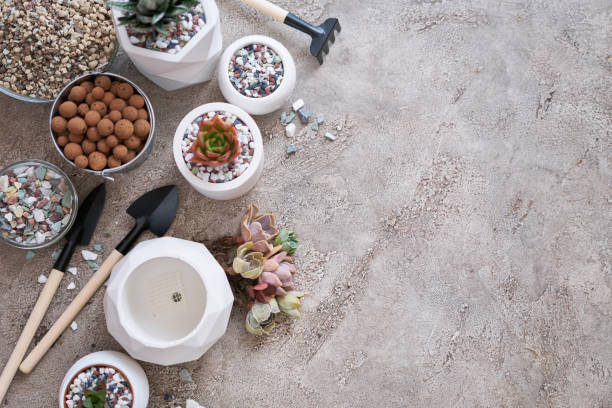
[(167, 301), (267, 104), (194, 63), (130, 370)]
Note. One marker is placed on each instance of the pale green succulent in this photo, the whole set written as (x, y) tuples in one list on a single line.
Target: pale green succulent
[(289, 303), (248, 264), (260, 319), (147, 15), (288, 240)]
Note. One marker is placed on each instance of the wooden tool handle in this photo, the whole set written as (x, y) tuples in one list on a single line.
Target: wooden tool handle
[(274, 11), (70, 313), (40, 308)]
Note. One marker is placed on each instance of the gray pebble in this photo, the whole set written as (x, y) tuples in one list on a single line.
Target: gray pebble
[(304, 115), (185, 375), (291, 149)]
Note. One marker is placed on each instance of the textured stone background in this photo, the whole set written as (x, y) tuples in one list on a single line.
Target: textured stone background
[(455, 237)]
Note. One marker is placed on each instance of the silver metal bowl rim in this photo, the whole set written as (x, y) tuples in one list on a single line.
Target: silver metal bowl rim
[(75, 203), (124, 167), (24, 98)]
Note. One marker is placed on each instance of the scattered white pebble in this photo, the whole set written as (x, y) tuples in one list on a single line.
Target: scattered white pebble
[(297, 105), (88, 255), (74, 326), (42, 279), (339, 128), (330, 136), (290, 130), (192, 404), (71, 286), (72, 270)]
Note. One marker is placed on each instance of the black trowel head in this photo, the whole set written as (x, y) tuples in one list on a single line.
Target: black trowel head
[(158, 207)]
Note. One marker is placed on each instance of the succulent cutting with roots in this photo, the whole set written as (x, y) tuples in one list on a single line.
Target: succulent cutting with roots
[(216, 144), (147, 15), (258, 258)]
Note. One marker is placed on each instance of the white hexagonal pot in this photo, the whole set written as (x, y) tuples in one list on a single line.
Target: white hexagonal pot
[(168, 301), (193, 64)]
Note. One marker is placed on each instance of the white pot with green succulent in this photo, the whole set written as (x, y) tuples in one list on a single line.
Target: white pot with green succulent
[(174, 43)]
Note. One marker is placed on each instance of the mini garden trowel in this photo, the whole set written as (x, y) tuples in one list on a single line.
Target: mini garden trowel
[(81, 232), (321, 35), (154, 211)]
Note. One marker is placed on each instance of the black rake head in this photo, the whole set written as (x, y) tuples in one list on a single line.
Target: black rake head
[(320, 42)]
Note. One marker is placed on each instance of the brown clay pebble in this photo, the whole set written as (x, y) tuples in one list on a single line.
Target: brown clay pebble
[(105, 127), (83, 109), (114, 116), (77, 93), (124, 129), (93, 135), (143, 114), (88, 85), (120, 152), (141, 128), (112, 141), (125, 90), (75, 138), (100, 107), (89, 99), (72, 150), (137, 101), (103, 82), (113, 87), (97, 160), (77, 126), (113, 162), (97, 93), (130, 113), (108, 97), (88, 146), (81, 161), (92, 118), (130, 156), (62, 141), (103, 147), (58, 124), (68, 109), (133, 142), (117, 104)]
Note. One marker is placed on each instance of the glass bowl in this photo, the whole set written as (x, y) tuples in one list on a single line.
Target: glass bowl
[(69, 188)]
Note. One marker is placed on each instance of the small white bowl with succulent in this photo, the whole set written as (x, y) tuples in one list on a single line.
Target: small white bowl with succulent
[(174, 43), (218, 149)]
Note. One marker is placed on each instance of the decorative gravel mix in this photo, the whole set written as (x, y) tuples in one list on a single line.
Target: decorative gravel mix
[(256, 70), (118, 392), (226, 172), (46, 43), (179, 33), (35, 204)]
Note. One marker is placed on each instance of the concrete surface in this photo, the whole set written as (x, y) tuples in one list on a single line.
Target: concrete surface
[(455, 238)]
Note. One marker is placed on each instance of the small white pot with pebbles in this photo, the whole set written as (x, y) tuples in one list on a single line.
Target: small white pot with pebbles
[(178, 50), (219, 151), (111, 375), (256, 73)]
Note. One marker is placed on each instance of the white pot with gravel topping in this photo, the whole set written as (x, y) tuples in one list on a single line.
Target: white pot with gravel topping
[(256, 73), (186, 56), (233, 178), (126, 382)]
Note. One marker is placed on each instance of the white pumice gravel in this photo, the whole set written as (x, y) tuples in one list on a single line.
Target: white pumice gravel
[(71, 286), (297, 105), (46, 43), (74, 325), (88, 255), (42, 279), (290, 130), (72, 270)]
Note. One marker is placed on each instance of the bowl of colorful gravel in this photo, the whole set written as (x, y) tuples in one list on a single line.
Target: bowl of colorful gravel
[(219, 151), (38, 204), (105, 378), (256, 73)]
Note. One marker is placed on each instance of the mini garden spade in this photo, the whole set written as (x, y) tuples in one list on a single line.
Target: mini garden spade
[(321, 35), (80, 234), (153, 211)]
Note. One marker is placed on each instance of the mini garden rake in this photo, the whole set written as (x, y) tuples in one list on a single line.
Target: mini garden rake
[(321, 35)]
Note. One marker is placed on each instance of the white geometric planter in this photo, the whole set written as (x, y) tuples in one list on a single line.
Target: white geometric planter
[(193, 64), (168, 301), (241, 184), (131, 370)]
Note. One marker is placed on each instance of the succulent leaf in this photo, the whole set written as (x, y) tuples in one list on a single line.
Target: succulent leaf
[(216, 144), (257, 227), (288, 240), (257, 328), (248, 264), (147, 15)]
